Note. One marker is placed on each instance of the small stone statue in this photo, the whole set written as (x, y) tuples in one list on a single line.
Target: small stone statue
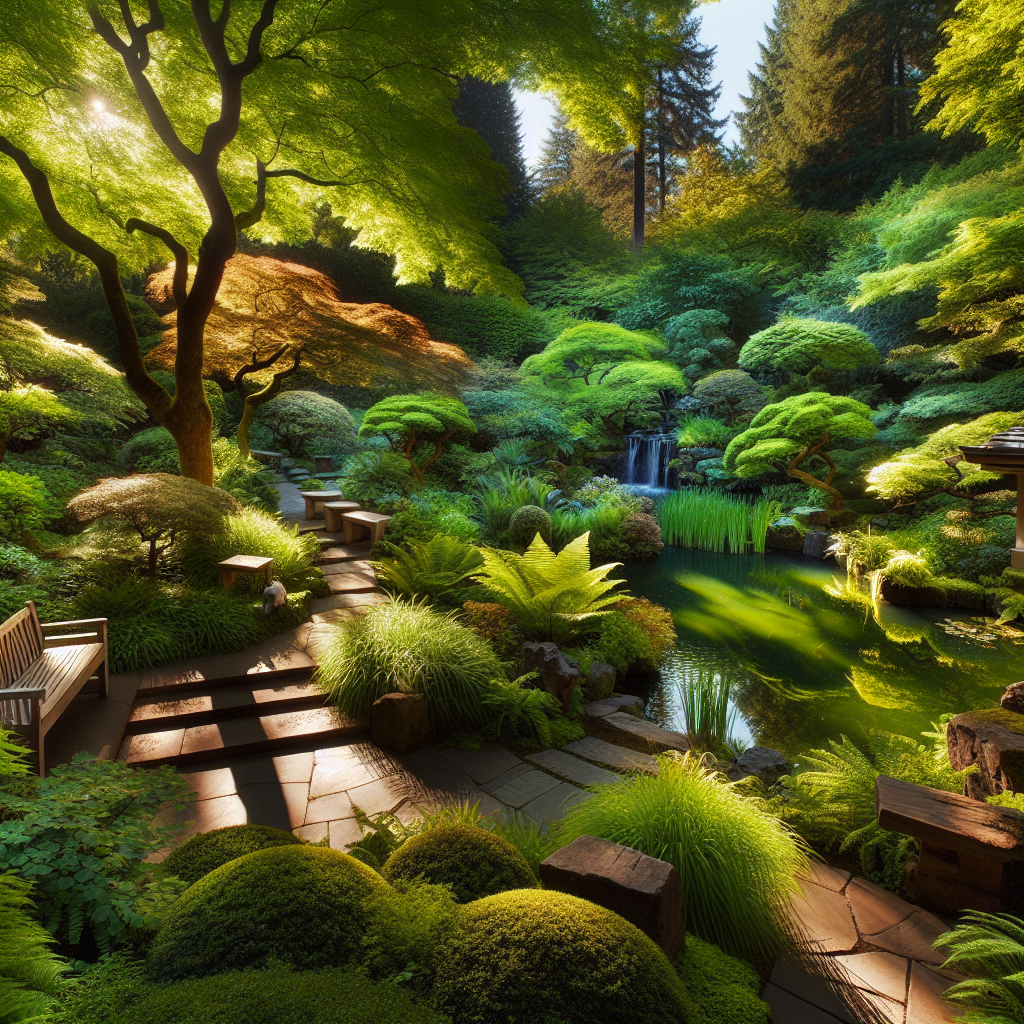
[(274, 597), (1013, 698)]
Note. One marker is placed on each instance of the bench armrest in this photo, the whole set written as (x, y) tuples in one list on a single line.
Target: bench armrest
[(71, 622), (16, 693), (74, 631)]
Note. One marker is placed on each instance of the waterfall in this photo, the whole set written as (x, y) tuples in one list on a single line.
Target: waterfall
[(647, 459)]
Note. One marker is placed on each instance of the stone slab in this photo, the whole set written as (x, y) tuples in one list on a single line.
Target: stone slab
[(616, 702), (629, 731), (328, 808), (827, 876), (357, 567), (601, 752), (315, 833), (790, 1009), (337, 775), (343, 833), (519, 791), (484, 764), (914, 938), (925, 1004), (793, 977), (555, 803), (875, 909), (884, 974), (88, 724), (513, 773), (573, 769), (380, 797), (823, 919), (352, 583)]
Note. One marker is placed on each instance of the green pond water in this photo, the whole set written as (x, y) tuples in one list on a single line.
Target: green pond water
[(810, 657)]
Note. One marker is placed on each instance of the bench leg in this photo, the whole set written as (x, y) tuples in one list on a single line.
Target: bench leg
[(350, 531), (227, 579), (104, 676), (331, 516)]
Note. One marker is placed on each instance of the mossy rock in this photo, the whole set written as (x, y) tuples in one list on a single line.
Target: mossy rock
[(202, 853), (724, 987), (278, 997), (302, 905), (538, 955), (473, 861), (945, 593)]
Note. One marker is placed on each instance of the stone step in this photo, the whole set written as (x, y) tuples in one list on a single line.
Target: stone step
[(572, 769), (223, 670), (610, 755), (239, 737), (352, 582), (628, 731), (354, 565), (153, 714), (334, 552)]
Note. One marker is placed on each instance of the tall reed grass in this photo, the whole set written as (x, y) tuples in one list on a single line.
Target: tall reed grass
[(715, 521), (704, 699)]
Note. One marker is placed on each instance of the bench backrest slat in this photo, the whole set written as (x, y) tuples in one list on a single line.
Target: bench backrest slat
[(21, 643)]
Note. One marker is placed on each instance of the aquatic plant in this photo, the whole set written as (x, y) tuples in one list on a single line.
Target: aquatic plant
[(714, 521), (738, 862), (704, 699)]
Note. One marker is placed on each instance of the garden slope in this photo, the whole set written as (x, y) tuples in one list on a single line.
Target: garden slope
[(265, 303)]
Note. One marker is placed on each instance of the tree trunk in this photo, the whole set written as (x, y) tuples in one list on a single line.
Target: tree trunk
[(901, 99), (639, 190), (803, 476), (888, 97), (252, 402), (153, 554)]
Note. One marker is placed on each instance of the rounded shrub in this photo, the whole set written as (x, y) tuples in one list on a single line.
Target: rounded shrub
[(527, 522), (298, 418), (202, 853), (642, 535), (302, 905), (533, 954), (722, 986), (473, 861), (278, 997)]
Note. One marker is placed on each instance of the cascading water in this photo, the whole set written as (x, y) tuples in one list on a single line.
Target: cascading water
[(647, 459)]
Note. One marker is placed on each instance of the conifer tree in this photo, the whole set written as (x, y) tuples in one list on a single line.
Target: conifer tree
[(758, 122), (554, 165)]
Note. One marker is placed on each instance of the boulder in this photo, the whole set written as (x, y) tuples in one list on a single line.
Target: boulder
[(816, 543), (762, 762), (602, 680), (933, 597), (400, 724), (992, 739), (1013, 698), (560, 676), (783, 535), (643, 890)]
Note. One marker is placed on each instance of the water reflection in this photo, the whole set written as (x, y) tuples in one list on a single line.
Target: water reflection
[(812, 656)]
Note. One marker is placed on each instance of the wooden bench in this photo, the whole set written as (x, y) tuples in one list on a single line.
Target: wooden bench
[(314, 498), (972, 854), (333, 511), (43, 667), (358, 525), (245, 565)]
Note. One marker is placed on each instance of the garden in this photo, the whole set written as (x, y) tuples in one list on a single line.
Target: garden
[(716, 433)]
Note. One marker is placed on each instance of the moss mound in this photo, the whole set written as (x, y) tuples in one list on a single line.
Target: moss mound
[(279, 997), (202, 853), (298, 904), (543, 956), (722, 986), (473, 861), (527, 522)]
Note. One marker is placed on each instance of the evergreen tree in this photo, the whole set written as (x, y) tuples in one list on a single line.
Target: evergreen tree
[(489, 109), (554, 166), (606, 182)]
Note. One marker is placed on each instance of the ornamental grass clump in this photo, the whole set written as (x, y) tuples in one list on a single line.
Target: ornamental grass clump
[(738, 862), (410, 648)]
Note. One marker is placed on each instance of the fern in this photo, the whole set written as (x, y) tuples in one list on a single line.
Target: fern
[(521, 713), (30, 973), (432, 570), (991, 947), (551, 596)]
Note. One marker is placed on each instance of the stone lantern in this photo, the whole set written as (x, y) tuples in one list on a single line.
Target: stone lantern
[(1004, 453)]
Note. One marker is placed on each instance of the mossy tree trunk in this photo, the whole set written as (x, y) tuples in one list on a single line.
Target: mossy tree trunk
[(794, 470), (251, 403)]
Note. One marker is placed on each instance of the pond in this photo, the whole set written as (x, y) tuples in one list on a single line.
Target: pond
[(810, 656)]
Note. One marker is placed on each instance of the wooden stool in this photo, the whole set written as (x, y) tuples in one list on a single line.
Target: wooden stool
[(245, 565), (333, 511), (358, 524), (314, 498)]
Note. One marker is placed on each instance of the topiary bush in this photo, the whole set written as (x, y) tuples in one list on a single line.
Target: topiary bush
[(151, 451), (302, 905), (723, 987), (206, 851), (474, 862), (527, 522), (545, 956), (274, 996), (297, 419)]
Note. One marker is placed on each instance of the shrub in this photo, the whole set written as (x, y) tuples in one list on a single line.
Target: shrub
[(703, 432), (23, 504), (202, 853), (410, 648), (81, 835), (528, 522), (496, 624), (275, 996), (473, 862), (734, 389), (153, 450), (738, 862), (302, 905), (799, 346), (297, 419), (722, 986), (533, 954), (642, 535), (654, 620), (435, 570), (30, 973), (551, 596), (250, 531), (367, 476)]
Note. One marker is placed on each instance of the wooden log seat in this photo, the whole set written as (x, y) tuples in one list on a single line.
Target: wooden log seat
[(43, 667), (359, 525), (333, 511), (972, 854), (245, 565), (314, 498)]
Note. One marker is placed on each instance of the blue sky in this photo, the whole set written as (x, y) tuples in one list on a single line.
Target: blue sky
[(735, 27)]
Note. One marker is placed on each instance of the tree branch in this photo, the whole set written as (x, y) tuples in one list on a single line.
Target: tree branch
[(252, 216), (179, 285)]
